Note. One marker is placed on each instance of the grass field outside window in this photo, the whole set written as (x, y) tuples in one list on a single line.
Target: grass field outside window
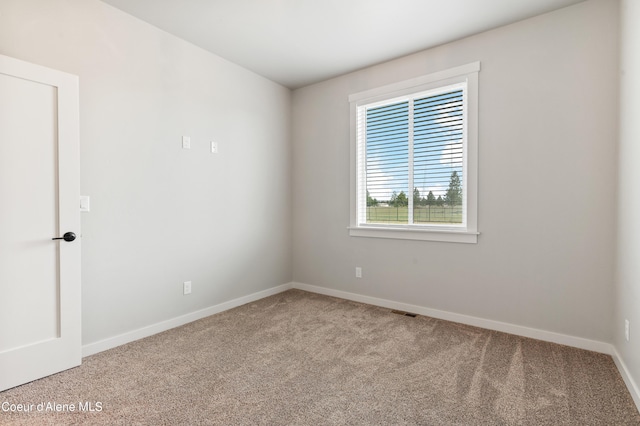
[(422, 214)]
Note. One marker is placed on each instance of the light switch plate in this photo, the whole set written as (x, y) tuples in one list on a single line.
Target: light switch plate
[(214, 147), (186, 142), (85, 203)]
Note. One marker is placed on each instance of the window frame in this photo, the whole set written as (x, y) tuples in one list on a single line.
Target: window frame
[(439, 232)]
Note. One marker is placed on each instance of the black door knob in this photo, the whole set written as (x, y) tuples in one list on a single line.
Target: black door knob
[(68, 236)]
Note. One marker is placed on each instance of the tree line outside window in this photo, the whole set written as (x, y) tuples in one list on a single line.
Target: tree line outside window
[(453, 196)]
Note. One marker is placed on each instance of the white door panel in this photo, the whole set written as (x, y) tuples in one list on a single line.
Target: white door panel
[(39, 193)]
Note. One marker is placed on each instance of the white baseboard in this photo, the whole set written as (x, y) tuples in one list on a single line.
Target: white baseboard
[(112, 342), (628, 380), (548, 336)]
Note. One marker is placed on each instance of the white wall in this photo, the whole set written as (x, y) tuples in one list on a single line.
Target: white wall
[(162, 215), (628, 253), (547, 181)]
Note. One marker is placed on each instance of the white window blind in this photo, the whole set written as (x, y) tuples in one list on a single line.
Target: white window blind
[(438, 165), (414, 167), (387, 154)]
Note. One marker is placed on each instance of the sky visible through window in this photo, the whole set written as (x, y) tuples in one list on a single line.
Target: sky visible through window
[(437, 147)]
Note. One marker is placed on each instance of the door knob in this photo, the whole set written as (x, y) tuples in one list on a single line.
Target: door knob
[(68, 236)]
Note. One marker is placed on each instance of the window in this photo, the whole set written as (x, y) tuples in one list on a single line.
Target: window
[(414, 158)]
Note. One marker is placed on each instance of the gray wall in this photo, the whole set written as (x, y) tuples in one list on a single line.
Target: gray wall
[(162, 215), (547, 181), (628, 254)]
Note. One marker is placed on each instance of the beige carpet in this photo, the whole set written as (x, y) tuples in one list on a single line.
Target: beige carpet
[(304, 359)]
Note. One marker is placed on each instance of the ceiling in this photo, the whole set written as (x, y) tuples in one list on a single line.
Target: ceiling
[(300, 42)]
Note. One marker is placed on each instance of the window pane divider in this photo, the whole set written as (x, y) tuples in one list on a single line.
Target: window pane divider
[(411, 184)]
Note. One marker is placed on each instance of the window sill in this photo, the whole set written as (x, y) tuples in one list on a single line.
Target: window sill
[(444, 235)]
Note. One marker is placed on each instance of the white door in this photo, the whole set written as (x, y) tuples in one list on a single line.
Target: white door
[(39, 200)]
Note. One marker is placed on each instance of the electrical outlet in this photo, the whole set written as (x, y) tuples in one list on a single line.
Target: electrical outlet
[(186, 287), (358, 272), (626, 329), (186, 142), (214, 147)]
